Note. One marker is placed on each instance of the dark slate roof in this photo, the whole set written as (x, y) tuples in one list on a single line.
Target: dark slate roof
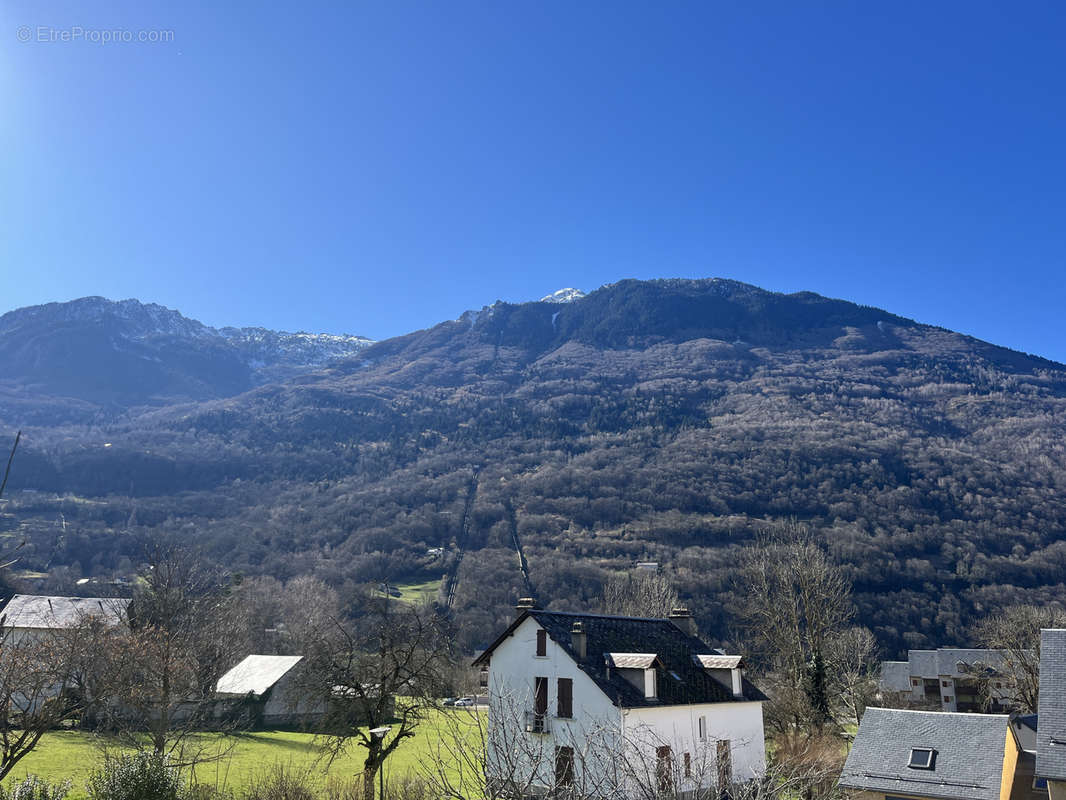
[(895, 676), (1051, 734), (1028, 720), (949, 660), (923, 663), (968, 764), (608, 634)]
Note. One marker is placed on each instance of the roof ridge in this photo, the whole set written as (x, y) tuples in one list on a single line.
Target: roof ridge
[(598, 616), (940, 713)]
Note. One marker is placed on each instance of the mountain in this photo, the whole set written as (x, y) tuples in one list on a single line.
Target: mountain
[(568, 295), (64, 362), (539, 447)]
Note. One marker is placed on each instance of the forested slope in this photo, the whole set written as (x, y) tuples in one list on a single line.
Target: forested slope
[(664, 420)]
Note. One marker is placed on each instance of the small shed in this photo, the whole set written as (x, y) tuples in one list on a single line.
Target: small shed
[(264, 691)]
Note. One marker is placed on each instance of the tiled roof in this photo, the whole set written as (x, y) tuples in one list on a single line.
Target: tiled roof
[(41, 611), (682, 680), (255, 674), (1051, 733), (968, 760)]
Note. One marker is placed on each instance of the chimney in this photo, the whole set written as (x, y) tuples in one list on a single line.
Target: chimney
[(525, 604), (684, 620), (579, 640)]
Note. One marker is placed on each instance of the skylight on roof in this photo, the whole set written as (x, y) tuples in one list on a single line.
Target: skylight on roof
[(921, 758)]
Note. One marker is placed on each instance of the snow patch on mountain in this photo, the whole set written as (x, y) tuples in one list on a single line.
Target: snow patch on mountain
[(567, 295), (151, 323)]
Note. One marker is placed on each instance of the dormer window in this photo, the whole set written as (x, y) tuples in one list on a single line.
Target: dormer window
[(651, 688), (922, 758), (639, 669)]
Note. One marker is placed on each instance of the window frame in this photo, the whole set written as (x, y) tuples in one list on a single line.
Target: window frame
[(542, 643), (568, 694), (664, 768), (723, 762), (929, 762), (564, 765)]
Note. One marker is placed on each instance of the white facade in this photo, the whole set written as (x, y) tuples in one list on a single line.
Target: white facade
[(611, 745)]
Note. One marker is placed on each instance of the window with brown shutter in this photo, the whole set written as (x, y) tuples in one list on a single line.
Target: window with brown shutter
[(564, 766), (664, 769), (566, 698), (725, 763), (542, 642), (540, 702)]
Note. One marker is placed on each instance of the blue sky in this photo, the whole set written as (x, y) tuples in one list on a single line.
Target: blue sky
[(376, 168)]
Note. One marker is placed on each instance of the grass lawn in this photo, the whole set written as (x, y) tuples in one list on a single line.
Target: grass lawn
[(73, 755), (416, 592)]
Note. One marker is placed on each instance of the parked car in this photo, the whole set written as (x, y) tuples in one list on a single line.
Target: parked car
[(450, 701), (464, 702)]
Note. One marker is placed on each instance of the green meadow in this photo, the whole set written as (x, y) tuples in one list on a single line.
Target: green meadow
[(241, 757)]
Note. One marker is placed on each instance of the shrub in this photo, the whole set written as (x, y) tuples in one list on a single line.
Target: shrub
[(33, 788), (137, 776), (281, 783)]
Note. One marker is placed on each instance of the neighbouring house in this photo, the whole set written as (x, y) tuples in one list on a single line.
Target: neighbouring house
[(264, 691), (932, 755), (27, 615), (1027, 786), (1051, 719), (950, 679), (595, 702)]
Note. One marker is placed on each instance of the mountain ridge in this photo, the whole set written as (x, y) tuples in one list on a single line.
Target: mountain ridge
[(115, 355), (667, 421)]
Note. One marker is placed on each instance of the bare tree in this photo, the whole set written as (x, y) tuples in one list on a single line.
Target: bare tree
[(378, 677), (852, 668), (471, 756), (184, 631), (643, 594), (43, 683), (284, 618), (794, 602), (1016, 632)]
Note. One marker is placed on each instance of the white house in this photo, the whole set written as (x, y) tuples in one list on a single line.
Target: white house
[(600, 702), (34, 616)]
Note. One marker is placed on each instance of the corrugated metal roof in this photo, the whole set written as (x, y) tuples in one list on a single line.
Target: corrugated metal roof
[(53, 612), (1051, 731), (718, 662), (968, 754), (255, 674), (630, 660)]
